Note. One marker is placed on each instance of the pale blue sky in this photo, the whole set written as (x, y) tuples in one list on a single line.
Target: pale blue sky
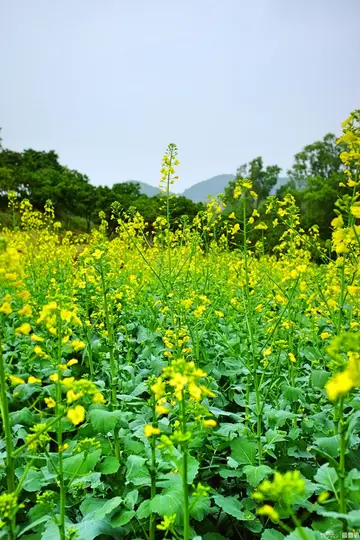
[(109, 83)]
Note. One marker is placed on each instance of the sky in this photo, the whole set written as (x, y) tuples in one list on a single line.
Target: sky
[(108, 84)]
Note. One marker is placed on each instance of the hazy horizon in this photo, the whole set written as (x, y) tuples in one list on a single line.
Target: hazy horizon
[(108, 85)]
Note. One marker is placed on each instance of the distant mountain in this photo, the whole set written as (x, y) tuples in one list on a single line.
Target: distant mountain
[(213, 186), (278, 184), (146, 189), (199, 192)]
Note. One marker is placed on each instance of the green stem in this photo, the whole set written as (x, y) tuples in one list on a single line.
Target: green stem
[(58, 410), (298, 526), (152, 519), (341, 470), (113, 377), (248, 310), (184, 472), (10, 470)]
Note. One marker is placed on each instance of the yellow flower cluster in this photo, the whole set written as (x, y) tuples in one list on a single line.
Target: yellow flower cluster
[(181, 379), (340, 384), (283, 486)]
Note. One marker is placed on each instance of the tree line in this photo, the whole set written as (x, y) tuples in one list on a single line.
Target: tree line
[(38, 176)]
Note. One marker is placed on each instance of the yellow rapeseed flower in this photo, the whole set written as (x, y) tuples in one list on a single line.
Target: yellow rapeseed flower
[(33, 380), (72, 362), (35, 337), (6, 308), (25, 311), (16, 380), (339, 385), (149, 430), (77, 345), (98, 398), (209, 423), (76, 415), (269, 511), (24, 328), (50, 402)]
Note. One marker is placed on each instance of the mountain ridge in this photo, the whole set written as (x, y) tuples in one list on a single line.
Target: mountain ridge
[(200, 191)]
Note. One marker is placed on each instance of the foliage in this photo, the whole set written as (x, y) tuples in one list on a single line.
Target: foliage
[(191, 387)]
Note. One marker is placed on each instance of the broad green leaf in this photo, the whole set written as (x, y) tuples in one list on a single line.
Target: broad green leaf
[(33, 525), (192, 469), (110, 465), (23, 417), (328, 525), (136, 471), (330, 445), (214, 536), (327, 477), (273, 437), (272, 534), (123, 518), (80, 464), (34, 479), (309, 534), (230, 473), (90, 529), (230, 506), (354, 518), (243, 451), (97, 509), (104, 421), (352, 481), (167, 503), (199, 507), (131, 499), (319, 378), (254, 474), (292, 394), (144, 510)]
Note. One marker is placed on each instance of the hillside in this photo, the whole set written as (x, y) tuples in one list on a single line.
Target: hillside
[(199, 192), (213, 186), (146, 189)]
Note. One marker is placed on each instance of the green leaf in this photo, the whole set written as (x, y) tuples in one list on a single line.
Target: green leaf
[(167, 503), (327, 525), (243, 451), (353, 518), (292, 394), (97, 509), (299, 534), (123, 518), (34, 479), (230, 473), (192, 469), (230, 506), (80, 464), (23, 417), (272, 534), (319, 378), (110, 465), (90, 529), (33, 525), (273, 437), (104, 421), (199, 507), (144, 510), (254, 474), (131, 499), (327, 477), (330, 445), (137, 472)]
